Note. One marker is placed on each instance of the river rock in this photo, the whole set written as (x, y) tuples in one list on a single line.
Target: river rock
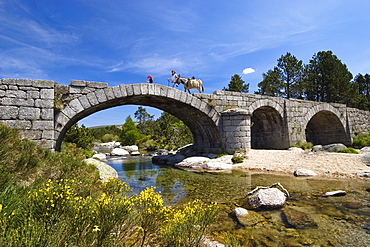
[(335, 193), (317, 148), (365, 150), (217, 165), (132, 148), (135, 153), (333, 147), (119, 152), (240, 212), (251, 218), (366, 159), (298, 219), (364, 174), (105, 170), (100, 156), (267, 198), (193, 162), (304, 173), (296, 149)]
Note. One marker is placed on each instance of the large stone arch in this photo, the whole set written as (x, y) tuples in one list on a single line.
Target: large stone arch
[(269, 130), (196, 114), (325, 124)]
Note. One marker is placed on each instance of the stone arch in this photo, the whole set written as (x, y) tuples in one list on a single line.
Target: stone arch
[(268, 129), (196, 114), (326, 125)]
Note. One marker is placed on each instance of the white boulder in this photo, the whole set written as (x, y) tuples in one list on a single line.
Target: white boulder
[(100, 156), (267, 198), (304, 173), (119, 152)]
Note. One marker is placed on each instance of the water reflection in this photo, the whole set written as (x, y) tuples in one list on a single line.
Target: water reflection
[(340, 219)]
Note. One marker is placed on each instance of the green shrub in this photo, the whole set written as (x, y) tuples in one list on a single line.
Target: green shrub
[(55, 199), (237, 159), (348, 151), (303, 145), (362, 140)]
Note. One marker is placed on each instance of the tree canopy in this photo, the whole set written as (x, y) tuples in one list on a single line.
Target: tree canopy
[(325, 78), (237, 85)]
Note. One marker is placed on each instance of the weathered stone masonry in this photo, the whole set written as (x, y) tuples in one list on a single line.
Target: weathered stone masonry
[(223, 121)]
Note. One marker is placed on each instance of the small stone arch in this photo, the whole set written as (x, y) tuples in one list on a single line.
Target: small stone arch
[(196, 114), (325, 124), (266, 102), (268, 130)]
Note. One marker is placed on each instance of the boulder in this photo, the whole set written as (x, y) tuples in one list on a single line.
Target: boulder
[(241, 212), (135, 153), (365, 150), (335, 193), (100, 156), (366, 159), (296, 149), (131, 149), (105, 170), (193, 162), (364, 174), (248, 218), (267, 198), (304, 173), (217, 165), (317, 148), (119, 152), (333, 147), (297, 219)]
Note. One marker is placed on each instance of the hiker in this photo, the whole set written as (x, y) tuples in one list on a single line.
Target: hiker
[(150, 79)]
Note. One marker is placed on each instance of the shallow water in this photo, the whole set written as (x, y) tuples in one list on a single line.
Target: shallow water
[(341, 221)]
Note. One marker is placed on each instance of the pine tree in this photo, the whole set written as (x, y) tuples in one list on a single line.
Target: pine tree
[(237, 85)]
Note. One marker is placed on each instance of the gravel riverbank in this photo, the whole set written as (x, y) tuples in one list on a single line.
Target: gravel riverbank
[(325, 164)]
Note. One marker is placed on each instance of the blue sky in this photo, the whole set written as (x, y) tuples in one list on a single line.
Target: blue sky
[(121, 42)]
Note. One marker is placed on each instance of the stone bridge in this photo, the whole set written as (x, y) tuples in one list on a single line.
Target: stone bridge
[(224, 121)]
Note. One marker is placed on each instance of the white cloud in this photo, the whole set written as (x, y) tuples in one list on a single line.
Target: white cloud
[(248, 71)]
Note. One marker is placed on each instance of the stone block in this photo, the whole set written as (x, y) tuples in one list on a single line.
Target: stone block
[(60, 121), (100, 95), (28, 113), (43, 84), (84, 101), (136, 89), (47, 93), (144, 88), (76, 105), (75, 90), (30, 134), (15, 94), (96, 84), (123, 90), (44, 103), (117, 92), (18, 124), (8, 112), (109, 93), (78, 83), (129, 90), (92, 98), (17, 102), (33, 94), (69, 112), (43, 125), (48, 134), (47, 114)]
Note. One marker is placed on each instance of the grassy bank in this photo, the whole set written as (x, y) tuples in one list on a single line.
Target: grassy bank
[(55, 199)]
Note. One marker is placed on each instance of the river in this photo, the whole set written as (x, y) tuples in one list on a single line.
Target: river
[(341, 221)]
